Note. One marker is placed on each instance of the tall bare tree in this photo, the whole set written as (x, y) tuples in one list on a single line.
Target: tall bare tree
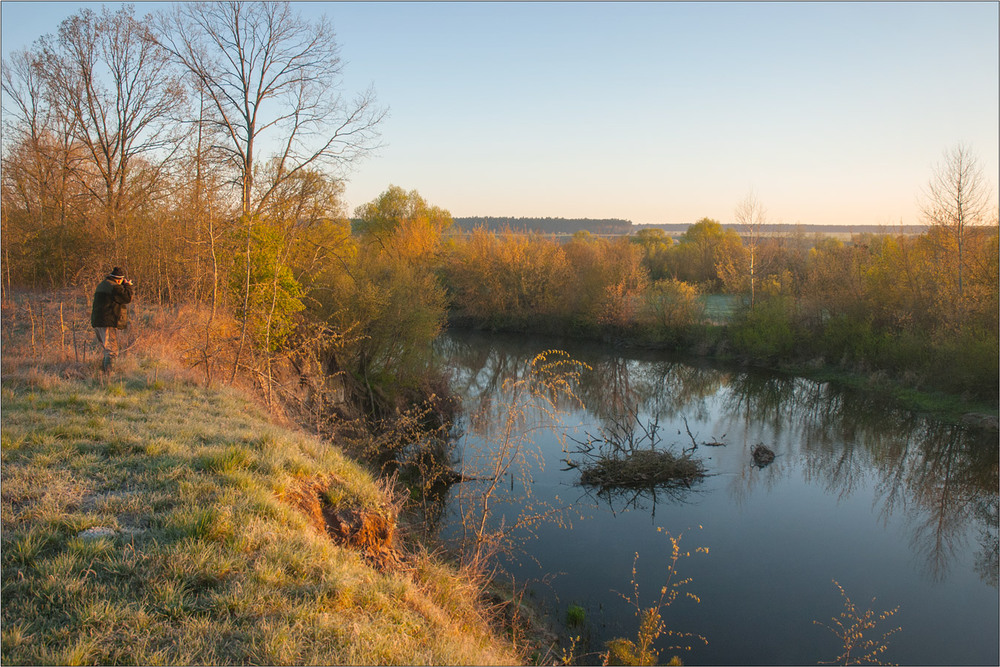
[(957, 197), (114, 87), (274, 79), (42, 175)]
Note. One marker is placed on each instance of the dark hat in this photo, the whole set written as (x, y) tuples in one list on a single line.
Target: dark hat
[(116, 273)]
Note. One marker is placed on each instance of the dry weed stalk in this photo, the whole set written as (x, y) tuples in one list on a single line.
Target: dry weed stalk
[(850, 627), (504, 459), (623, 651)]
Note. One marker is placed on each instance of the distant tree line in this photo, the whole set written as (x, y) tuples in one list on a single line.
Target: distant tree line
[(616, 226), (789, 229), (547, 225)]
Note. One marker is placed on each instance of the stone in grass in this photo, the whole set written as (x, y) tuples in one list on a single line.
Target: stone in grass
[(97, 532)]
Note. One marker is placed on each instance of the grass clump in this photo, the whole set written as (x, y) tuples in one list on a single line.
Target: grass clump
[(153, 524)]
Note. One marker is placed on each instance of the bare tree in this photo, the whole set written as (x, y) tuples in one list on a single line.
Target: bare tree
[(115, 89), (41, 171), (273, 78), (751, 216), (956, 198)]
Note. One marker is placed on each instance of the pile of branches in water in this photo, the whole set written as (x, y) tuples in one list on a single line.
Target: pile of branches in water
[(626, 454), (643, 469)]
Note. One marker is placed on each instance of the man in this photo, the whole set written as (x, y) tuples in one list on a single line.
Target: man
[(110, 312)]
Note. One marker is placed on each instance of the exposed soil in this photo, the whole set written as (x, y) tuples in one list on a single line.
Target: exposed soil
[(369, 531)]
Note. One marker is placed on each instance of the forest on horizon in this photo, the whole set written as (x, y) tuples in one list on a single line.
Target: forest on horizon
[(617, 226)]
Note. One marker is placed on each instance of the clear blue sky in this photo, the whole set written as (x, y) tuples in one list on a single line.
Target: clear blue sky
[(832, 113)]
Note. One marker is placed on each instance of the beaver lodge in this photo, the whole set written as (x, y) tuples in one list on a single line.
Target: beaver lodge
[(626, 453)]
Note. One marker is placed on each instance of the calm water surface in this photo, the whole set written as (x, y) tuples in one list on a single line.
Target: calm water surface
[(890, 505)]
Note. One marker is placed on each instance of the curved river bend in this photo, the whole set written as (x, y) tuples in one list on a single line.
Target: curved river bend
[(888, 504)]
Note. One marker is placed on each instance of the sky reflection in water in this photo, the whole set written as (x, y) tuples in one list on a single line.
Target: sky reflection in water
[(889, 504)]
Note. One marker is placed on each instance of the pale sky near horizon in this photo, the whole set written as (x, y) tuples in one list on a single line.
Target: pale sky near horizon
[(832, 113)]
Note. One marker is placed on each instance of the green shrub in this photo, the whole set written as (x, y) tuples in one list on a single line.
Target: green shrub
[(846, 339), (967, 363), (765, 331), (274, 294)]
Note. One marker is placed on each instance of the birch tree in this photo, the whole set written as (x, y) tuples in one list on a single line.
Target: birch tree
[(750, 216)]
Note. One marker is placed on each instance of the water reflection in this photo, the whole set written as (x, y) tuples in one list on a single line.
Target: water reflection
[(621, 500), (942, 479)]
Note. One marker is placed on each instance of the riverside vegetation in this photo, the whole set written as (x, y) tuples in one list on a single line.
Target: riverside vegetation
[(281, 272)]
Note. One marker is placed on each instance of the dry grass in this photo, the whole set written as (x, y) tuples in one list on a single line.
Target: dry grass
[(145, 520)]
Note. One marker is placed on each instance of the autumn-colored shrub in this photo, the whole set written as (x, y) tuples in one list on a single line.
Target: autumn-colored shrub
[(669, 307)]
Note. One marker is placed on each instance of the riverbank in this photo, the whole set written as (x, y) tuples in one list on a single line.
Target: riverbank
[(148, 520), (942, 406), (711, 343)]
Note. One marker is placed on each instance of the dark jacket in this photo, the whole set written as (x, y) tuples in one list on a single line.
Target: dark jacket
[(109, 305)]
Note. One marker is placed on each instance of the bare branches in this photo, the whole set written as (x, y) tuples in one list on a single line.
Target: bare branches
[(627, 457), (116, 93), (956, 198), (851, 626), (957, 194), (530, 403), (750, 215), (272, 76)]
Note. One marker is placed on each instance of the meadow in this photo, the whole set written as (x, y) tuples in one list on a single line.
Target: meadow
[(149, 520)]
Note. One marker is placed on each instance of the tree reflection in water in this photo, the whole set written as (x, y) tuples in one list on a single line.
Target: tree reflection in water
[(941, 478), (620, 500)]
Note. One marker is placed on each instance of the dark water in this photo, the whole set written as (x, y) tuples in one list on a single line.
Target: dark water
[(889, 504)]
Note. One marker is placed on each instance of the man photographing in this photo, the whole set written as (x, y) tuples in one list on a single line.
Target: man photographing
[(110, 313)]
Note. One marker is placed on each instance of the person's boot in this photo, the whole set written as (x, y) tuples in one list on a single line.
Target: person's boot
[(106, 364)]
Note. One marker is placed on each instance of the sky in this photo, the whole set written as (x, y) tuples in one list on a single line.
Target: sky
[(830, 113)]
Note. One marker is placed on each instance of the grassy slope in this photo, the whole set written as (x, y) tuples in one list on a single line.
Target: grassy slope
[(144, 523)]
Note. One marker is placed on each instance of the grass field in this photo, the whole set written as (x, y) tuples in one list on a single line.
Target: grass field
[(720, 308), (148, 520)]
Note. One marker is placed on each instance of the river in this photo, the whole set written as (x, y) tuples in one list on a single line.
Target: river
[(887, 504)]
